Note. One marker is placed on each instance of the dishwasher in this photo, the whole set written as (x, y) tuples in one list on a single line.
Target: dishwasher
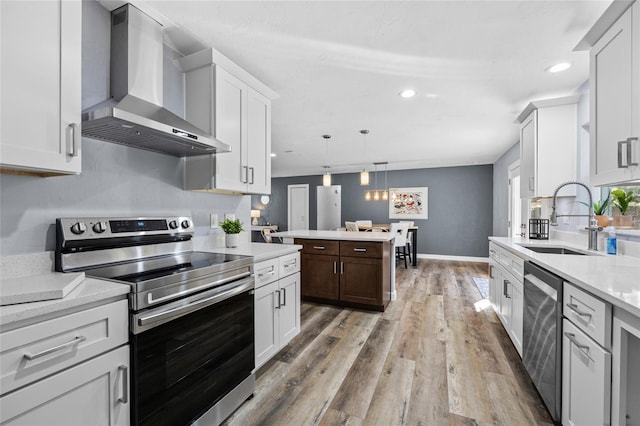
[(542, 334)]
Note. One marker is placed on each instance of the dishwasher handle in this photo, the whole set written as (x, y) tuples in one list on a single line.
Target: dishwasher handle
[(542, 286)]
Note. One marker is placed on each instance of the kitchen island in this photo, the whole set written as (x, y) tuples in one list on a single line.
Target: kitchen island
[(355, 269)]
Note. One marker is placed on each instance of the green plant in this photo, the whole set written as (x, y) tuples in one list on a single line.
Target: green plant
[(621, 199), (600, 207), (231, 226)]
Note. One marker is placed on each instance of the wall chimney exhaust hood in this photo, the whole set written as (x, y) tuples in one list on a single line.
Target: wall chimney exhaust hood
[(134, 115)]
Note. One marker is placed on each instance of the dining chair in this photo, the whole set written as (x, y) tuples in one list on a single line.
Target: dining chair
[(409, 238), (368, 224), (351, 226), (268, 238), (400, 230)]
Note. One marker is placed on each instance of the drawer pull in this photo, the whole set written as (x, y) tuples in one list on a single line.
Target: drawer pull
[(125, 383), (49, 351), (360, 249), (629, 156), (318, 247), (583, 348), (289, 265), (284, 296), (577, 310), (271, 272)]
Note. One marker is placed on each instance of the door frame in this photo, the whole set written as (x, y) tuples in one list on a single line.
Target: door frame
[(304, 186), (512, 171)]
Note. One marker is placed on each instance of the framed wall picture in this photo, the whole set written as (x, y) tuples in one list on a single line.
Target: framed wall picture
[(408, 203)]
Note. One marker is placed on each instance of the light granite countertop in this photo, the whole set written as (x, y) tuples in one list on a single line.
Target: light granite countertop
[(615, 279), (337, 235), (260, 251), (91, 292)]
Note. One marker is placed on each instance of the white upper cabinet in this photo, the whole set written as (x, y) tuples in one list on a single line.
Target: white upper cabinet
[(233, 106), (40, 71), (615, 101), (548, 146)]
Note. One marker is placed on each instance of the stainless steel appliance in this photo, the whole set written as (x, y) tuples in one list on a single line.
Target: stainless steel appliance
[(542, 334), (191, 314)]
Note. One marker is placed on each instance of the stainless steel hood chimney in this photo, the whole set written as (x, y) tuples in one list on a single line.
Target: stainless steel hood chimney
[(134, 115)]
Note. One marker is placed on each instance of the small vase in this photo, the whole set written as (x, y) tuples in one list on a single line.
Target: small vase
[(231, 240), (602, 220), (625, 221)]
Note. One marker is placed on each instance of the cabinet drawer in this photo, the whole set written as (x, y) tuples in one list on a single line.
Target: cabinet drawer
[(289, 264), (266, 272), (327, 247), (33, 352), (589, 313), (494, 251), (360, 249)]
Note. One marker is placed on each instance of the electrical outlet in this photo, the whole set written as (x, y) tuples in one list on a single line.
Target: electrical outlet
[(214, 220)]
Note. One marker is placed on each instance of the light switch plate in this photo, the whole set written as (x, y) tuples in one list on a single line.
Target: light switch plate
[(214, 220)]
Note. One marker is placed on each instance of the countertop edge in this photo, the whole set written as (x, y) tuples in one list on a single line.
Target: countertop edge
[(539, 258)]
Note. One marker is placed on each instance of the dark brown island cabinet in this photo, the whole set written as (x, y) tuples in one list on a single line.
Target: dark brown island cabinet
[(346, 273)]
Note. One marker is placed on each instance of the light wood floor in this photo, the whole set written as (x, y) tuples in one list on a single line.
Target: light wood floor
[(432, 358)]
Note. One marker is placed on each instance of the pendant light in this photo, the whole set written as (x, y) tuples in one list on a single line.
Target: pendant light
[(364, 174), (326, 177), (385, 192), (376, 195)]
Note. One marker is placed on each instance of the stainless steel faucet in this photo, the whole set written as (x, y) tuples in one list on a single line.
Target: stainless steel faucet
[(592, 228)]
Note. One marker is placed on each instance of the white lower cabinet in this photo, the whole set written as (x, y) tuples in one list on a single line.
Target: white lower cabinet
[(586, 379), (68, 370), (95, 392), (277, 305), (625, 380)]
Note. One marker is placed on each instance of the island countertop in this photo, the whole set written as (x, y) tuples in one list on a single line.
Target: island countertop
[(337, 235)]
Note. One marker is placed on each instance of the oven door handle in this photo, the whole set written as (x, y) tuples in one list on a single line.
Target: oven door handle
[(151, 300), (199, 304)]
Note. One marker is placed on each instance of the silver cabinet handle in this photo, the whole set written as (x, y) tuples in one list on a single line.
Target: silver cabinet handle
[(271, 272), (572, 338), (278, 291), (577, 310), (49, 351), (360, 249), (290, 264), (246, 174), (74, 141), (335, 268), (620, 165), (629, 151), (318, 247), (125, 383), (341, 268), (252, 174), (284, 296), (491, 271), (506, 288)]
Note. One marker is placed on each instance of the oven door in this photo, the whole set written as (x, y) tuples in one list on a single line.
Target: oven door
[(187, 355)]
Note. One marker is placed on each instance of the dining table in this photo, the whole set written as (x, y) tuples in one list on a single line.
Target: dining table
[(386, 226)]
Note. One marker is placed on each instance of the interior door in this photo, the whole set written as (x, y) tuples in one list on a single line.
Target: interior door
[(329, 206), (298, 207)]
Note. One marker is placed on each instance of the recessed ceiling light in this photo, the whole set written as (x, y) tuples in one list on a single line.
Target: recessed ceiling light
[(273, 154), (558, 67), (409, 93)]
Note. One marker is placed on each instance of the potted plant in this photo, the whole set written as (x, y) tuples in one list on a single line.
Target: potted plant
[(621, 200), (600, 210), (231, 229)]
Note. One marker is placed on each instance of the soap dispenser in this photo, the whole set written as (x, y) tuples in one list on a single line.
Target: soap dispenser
[(612, 243)]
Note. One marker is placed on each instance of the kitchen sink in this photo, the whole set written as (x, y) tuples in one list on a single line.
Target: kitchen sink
[(554, 250)]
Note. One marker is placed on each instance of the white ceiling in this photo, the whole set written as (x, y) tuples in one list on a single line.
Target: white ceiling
[(339, 65)]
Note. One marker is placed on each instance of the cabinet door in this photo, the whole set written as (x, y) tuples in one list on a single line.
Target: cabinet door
[(266, 323), (528, 137), (258, 142), (231, 169), (586, 379), (95, 392), (360, 280), (41, 86), (495, 281), (517, 314), (319, 276), (289, 323), (614, 95)]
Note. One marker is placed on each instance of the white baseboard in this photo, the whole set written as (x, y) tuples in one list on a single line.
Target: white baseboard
[(458, 258)]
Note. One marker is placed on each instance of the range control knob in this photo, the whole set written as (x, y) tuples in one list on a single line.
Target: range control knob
[(173, 224), (185, 224), (78, 228), (99, 227)]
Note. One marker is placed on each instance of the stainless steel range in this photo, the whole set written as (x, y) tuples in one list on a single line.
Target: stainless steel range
[(191, 314)]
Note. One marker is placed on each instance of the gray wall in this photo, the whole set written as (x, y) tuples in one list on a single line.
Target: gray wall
[(460, 205), (115, 180), (501, 190)]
